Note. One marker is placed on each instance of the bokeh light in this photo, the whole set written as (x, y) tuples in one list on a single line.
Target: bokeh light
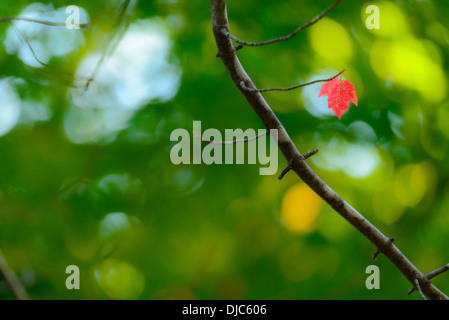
[(300, 208)]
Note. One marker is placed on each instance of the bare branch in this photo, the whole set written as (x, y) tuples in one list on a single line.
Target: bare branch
[(432, 274), (379, 250), (418, 287), (309, 154), (287, 147), (291, 35), (114, 39), (233, 141), (47, 68), (284, 172), (29, 47), (46, 23), (11, 279), (292, 163), (437, 272), (242, 84)]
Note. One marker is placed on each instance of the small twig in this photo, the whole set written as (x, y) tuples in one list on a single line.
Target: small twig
[(284, 172), (290, 165), (11, 279), (233, 141), (431, 275), (309, 154), (379, 250), (46, 65), (29, 47), (46, 23), (437, 272), (418, 287), (292, 162), (291, 35), (237, 48), (114, 39), (242, 84)]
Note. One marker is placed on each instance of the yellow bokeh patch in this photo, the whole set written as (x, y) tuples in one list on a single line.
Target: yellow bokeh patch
[(331, 41), (398, 56), (411, 184), (413, 181), (386, 205), (119, 279), (300, 208), (412, 64)]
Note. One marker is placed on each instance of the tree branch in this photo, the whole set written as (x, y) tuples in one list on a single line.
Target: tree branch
[(378, 251), (46, 23), (432, 274), (291, 35), (292, 162), (418, 287), (114, 39), (11, 279), (242, 84), (288, 149), (437, 272)]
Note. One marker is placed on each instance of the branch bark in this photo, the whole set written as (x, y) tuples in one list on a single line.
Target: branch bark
[(296, 159), (432, 274)]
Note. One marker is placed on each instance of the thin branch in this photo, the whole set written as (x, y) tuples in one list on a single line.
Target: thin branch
[(237, 48), (291, 35), (29, 47), (309, 154), (233, 141), (290, 165), (287, 147), (242, 84), (432, 274), (47, 68), (437, 272), (46, 23), (11, 279), (114, 39), (418, 287), (284, 172), (292, 162)]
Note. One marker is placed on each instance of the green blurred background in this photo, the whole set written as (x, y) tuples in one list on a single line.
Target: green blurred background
[(86, 177)]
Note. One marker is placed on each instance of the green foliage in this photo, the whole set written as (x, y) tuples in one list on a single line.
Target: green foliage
[(86, 177)]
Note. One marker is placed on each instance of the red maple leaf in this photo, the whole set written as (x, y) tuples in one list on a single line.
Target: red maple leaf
[(339, 93)]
